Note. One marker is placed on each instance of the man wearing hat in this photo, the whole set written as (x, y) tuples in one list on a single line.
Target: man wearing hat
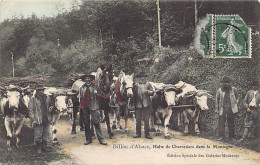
[(250, 102), (90, 109), (226, 107), (142, 92), (39, 119)]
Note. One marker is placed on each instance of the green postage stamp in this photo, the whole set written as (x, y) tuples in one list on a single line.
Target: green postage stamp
[(223, 36)]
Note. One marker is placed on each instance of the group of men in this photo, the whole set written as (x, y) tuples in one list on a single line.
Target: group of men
[(226, 106), (227, 100)]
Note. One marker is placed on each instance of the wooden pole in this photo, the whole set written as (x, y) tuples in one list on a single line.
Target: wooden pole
[(196, 13), (159, 24), (12, 58)]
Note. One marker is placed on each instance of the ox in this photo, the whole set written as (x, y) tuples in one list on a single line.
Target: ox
[(123, 94), (15, 112), (192, 103), (162, 104), (56, 105)]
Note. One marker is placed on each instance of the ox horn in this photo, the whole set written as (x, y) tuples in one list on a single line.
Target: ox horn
[(2, 88), (190, 93), (204, 92)]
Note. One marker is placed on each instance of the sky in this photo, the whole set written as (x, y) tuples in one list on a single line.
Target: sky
[(15, 8), (49, 8)]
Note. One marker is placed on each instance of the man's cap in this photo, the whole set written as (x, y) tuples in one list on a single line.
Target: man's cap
[(226, 79), (87, 75)]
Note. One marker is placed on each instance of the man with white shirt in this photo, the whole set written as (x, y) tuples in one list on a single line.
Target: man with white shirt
[(250, 103)]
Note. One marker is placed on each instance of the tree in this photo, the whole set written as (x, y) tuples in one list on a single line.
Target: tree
[(41, 55)]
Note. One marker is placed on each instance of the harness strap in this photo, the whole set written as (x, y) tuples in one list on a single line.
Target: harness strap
[(117, 91), (129, 88)]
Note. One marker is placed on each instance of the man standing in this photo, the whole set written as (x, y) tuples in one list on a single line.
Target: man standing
[(226, 107), (142, 92), (39, 119), (250, 103), (90, 110)]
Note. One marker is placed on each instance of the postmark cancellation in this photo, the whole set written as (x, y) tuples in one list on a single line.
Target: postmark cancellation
[(223, 36)]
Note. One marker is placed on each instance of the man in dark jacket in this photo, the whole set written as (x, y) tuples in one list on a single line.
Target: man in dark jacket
[(226, 107), (90, 109), (142, 92), (39, 119)]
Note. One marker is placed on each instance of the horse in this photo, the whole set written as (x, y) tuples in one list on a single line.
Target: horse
[(103, 81), (15, 111), (123, 94)]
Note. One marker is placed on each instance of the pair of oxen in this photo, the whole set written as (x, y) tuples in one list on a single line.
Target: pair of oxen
[(181, 97)]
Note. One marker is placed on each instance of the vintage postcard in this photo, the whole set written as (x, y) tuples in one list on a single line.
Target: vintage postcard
[(130, 82)]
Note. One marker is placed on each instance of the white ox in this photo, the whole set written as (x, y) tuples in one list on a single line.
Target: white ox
[(56, 104), (162, 103), (14, 111)]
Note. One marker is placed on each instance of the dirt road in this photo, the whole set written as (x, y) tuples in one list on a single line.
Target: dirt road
[(124, 149)]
